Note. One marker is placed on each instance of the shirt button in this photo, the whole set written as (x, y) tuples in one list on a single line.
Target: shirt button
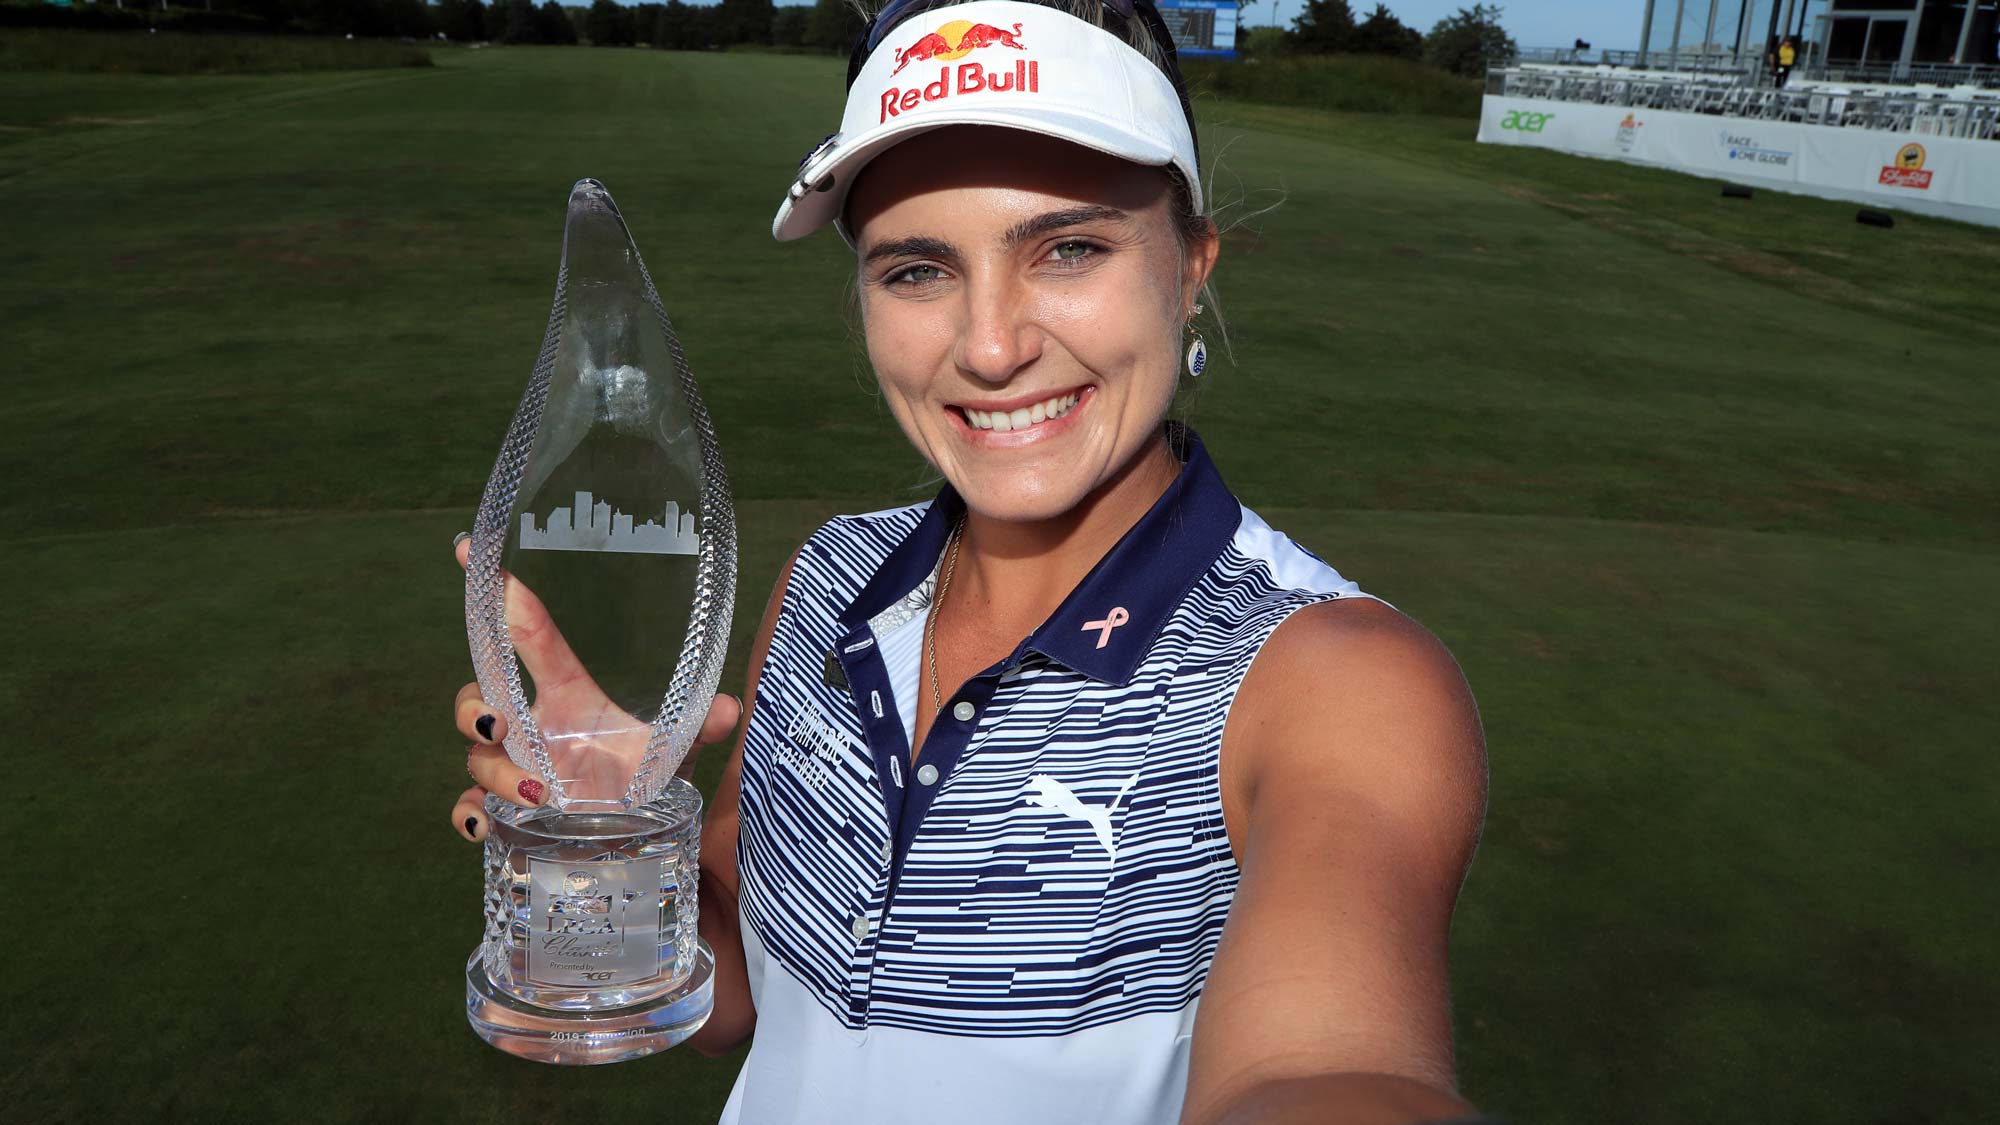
[(860, 927), (964, 711), (888, 850), (927, 774)]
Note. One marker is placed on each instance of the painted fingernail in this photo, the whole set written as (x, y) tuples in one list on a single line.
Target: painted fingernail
[(472, 827), (530, 790), (485, 727), (460, 538)]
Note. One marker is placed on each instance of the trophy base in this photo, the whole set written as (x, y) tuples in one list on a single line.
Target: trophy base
[(586, 1038)]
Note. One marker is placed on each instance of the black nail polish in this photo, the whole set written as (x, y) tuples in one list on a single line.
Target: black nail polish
[(472, 827), (485, 727)]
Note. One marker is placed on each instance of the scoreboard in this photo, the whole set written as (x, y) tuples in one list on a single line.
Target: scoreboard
[(1201, 27)]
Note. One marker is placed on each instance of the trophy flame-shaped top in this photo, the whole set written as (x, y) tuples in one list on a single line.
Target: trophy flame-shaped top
[(603, 566)]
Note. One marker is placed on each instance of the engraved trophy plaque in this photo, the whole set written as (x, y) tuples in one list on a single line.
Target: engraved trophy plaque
[(597, 602)]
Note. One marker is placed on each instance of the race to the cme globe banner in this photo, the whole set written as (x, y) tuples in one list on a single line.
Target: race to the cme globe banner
[(1201, 27)]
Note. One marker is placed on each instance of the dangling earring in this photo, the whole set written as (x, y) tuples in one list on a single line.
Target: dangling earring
[(1197, 353)]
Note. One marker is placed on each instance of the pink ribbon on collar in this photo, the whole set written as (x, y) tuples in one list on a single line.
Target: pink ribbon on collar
[(1111, 621)]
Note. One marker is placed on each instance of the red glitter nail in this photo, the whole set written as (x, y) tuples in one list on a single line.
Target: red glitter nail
[(530, 790)]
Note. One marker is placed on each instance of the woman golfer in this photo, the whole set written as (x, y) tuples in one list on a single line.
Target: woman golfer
[(1077, 794)]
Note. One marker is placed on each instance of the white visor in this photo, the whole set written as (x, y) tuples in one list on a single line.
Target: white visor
[(993, 62)]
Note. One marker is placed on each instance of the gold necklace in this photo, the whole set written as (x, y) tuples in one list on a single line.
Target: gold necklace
[(930, 621)]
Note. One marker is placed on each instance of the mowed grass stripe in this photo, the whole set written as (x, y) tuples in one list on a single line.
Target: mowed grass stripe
[(1501, 350), (1732, 815), (1456, 346), (1718, 599)]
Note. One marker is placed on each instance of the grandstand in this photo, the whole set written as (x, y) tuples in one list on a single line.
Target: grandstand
[(1953, 42), (1885, 105)]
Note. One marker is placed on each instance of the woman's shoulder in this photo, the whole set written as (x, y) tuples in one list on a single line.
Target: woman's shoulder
[(1288, 571), (1351, 697), (1324, 615), (840, 557), (887, 527)]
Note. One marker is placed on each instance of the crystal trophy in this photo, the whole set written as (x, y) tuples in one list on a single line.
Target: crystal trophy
[(597, 602)]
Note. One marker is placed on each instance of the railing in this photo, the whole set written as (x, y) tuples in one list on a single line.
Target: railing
[(1897, 111), (1930, 74), (1567, 55), (1728, 61), (1711, 62)]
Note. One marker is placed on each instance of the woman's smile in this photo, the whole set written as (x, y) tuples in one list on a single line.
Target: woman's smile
[(1021, 420)]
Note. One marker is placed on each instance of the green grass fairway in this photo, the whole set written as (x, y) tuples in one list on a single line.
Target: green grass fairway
[(1704, 494), (181, 53)]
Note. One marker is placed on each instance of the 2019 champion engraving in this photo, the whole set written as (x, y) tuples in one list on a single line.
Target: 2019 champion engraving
[(600, 636)]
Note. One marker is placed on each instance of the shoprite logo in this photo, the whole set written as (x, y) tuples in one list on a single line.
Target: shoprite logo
[(954, 41), (1526, 121), (1908, 171)]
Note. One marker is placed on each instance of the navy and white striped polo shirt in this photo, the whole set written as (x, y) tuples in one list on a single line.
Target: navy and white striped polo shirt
[(1016, 928)]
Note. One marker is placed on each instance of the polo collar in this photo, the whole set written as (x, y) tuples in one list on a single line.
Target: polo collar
[(1106, 625)]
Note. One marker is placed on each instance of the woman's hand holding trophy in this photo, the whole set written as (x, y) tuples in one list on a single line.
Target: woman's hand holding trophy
[(567, 699)]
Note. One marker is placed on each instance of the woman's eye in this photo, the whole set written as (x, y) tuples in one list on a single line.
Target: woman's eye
[(915, 275)]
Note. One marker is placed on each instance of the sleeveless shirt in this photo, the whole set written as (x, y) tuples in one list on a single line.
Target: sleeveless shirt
[(1016, 927)]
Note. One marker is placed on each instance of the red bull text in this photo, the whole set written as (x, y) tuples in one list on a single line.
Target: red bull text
[(965, 78), (953, 41)]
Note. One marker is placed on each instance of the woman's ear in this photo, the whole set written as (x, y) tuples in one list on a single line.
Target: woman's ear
[(1202, 251)]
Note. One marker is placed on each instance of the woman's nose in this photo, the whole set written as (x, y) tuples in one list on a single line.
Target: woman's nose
[(998, 336)]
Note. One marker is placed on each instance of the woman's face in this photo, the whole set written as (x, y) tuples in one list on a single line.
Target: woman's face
[(1023, 300)]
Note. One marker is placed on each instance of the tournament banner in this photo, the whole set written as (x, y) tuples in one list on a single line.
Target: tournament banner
[(1947, 176), (1751, 150), (1909, 169)]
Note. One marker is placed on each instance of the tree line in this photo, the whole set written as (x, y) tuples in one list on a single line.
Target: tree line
[(1462, 42), (827, 24)]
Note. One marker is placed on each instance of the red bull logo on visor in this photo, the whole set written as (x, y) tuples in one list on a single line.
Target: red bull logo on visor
[(949, 43)]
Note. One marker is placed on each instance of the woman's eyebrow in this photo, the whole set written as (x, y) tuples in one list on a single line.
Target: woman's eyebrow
[(1050, 221), (925, 246), (920, 246)]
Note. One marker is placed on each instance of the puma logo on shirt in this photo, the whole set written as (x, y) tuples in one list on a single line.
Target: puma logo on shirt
[(1054, 795)]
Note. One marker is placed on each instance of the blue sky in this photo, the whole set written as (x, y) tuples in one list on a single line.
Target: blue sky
[(1537, 23)]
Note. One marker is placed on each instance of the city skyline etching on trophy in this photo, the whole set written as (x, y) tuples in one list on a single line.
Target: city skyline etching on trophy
[(605, 528)]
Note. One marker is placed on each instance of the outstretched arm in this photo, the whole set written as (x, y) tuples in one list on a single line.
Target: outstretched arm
[(1354, 787)]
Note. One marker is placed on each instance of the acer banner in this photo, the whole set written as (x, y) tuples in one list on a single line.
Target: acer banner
[(1950, 177)]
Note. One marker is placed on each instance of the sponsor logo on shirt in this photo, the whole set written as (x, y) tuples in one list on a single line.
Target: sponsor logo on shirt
[(1048, 793), (812, 748)]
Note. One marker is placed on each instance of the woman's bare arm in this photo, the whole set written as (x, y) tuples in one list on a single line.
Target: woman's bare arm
[(734, 1017), (1354, 787)]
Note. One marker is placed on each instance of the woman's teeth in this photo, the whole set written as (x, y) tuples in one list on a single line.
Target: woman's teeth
[(1001, 421)]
